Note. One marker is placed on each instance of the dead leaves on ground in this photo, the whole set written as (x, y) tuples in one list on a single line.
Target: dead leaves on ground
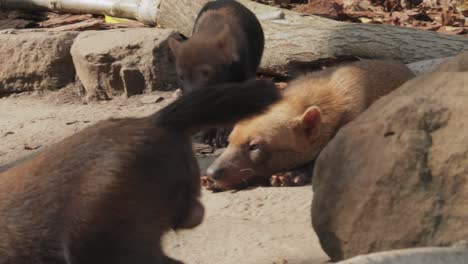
[(447, 16)]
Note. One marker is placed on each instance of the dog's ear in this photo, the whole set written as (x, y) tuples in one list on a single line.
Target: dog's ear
[(174, 45), (310, 121), (226, 44)]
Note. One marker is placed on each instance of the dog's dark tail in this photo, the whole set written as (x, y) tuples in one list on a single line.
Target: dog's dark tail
[(218, 105)]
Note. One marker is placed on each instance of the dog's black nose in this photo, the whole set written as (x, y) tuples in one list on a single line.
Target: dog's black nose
[(215, 173)]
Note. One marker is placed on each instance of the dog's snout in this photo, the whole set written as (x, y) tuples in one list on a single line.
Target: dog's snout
[(215, 173)]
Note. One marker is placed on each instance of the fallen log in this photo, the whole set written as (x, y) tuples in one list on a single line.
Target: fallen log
[(294, 39)]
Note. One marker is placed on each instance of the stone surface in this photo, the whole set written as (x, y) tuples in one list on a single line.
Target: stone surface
[(428, 255), (397, 176), (458, 64), (425, 66), (124, 61), (35, 60)]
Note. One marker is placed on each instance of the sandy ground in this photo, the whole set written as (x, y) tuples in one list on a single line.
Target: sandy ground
[(260, 225)]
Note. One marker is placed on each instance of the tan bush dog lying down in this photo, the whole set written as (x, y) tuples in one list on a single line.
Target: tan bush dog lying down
[(226, 46), (293, 131), (108, 193)]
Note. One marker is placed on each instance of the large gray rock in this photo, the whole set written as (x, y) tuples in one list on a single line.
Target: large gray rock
[(35, 60), (124, 61), (397, 176)]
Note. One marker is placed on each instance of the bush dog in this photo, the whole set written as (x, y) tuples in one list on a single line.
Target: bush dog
[(108, 193), (293, 131), (226, 46)]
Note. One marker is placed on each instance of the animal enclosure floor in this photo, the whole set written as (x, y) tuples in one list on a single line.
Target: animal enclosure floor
[(258, 226)]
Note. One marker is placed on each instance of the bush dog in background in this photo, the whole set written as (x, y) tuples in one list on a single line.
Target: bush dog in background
[(226, 46)]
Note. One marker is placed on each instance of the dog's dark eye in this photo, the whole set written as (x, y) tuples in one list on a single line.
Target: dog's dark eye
[(254, 146), (206, 73)]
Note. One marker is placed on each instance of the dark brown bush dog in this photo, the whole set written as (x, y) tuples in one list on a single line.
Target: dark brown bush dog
[(108, 193), (226, 46)]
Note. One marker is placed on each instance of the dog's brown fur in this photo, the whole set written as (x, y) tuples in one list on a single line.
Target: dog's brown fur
[(226, 46), (294, 130), (94, 195), (108, 193)]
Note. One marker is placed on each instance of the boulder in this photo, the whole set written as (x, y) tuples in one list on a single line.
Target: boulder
[(397, 176), (35, 60), (124, 61)]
